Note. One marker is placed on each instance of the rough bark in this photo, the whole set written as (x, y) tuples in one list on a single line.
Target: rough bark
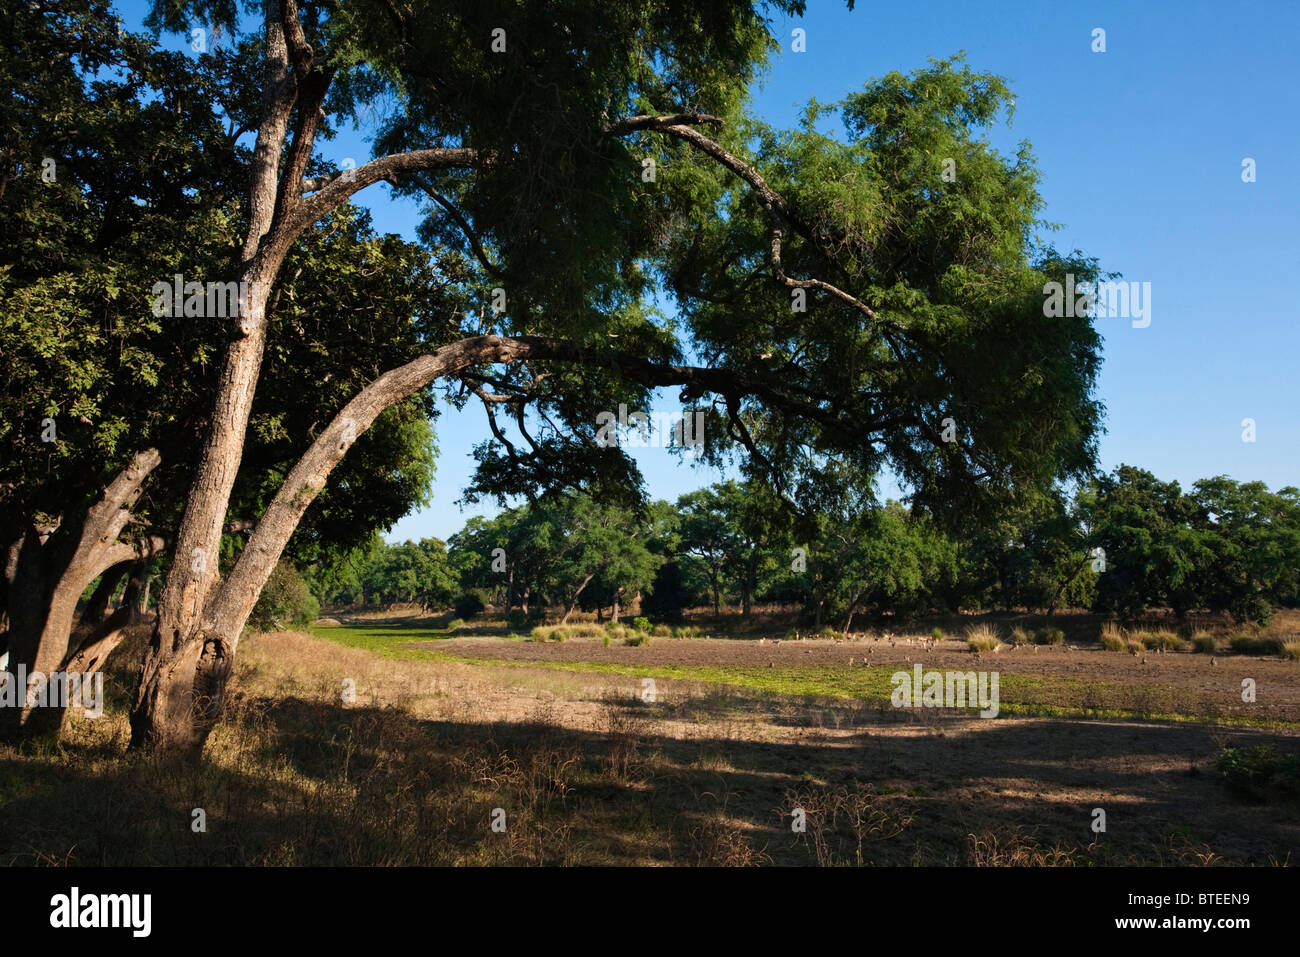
[(49, 576)]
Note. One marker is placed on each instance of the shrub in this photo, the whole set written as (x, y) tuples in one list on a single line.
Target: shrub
[(1291, 650), (1247, 771), (661, 631), (605, 641), (1020, 636), (1255, 645), (1113, 637), (937, 634), (561, 632), (686, 631), (454, 624), (517, 618), (1204, 643), (828, 632), (467, 605), (1162, 639), (637, 638), (1050, 636), (285, 601), (641, 623), (982, 638)]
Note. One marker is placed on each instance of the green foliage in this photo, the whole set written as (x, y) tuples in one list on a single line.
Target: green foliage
[(1049, 636), (1255, 644), (1253, 773), (468, 605), (285, 601), (641, 623)]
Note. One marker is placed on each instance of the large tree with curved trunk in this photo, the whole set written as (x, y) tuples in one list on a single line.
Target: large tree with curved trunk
[(840, 299)]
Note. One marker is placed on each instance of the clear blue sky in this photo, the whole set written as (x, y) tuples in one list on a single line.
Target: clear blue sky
[(1140, 150)]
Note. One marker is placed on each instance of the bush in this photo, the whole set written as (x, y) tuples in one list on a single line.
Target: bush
[(285, 601), (455, 623), (641, 623), (605, 641), (638, 638), (937, 634), (1113, 637), (982, 638), (1248, 772), (1162, 639), (1050, 636), (517, 618), (467, 605), (1255, 645), (686, 631), (1021, 636), (661, 631), (1204, 643), (1291, 651)]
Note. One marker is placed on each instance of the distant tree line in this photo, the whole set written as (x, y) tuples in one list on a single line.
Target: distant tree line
[(1121, 544)]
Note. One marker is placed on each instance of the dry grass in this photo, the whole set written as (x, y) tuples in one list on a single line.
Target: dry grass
[(588, 774), (982, 637), (1113, 637)]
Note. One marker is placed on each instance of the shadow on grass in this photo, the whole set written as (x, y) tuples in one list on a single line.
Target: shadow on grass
[(296, 781)]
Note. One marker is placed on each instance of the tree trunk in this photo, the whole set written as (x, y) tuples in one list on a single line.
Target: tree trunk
[(96, 609), (49, 576), (574, 600)]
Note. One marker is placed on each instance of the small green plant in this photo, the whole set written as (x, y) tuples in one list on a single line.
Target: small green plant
[(686, 631), (637, 639), (1021, 636), (661, 631), (605, 641), (454, 624), (937, 633), (1050, 636), (517, 618), (828, 632), (1247, 771), (641, 623)]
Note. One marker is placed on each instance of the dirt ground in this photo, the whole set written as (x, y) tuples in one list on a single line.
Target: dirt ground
[(943, 788)]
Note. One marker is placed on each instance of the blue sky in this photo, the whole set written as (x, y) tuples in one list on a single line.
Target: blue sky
[(1140, 149)]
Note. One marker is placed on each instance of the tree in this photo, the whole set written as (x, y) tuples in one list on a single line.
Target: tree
[(846, 299)]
